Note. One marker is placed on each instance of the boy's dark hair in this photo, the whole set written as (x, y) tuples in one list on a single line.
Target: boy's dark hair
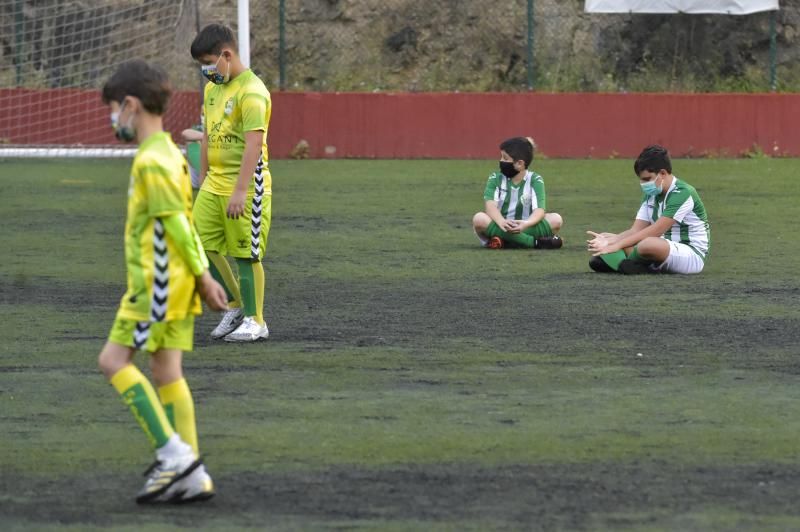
[(519, 148), (138, 78), (211, 39), (653, 159)]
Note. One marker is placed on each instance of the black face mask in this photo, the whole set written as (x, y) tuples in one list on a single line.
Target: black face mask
[(507, 169)]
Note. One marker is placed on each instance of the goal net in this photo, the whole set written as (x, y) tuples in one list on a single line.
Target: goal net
[(57, 54)]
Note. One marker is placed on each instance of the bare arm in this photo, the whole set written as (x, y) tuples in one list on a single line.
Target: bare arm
[(656, 229), (637, 226), (497, 217), (191, 250), (638, 232), (599, 240), (253, 141), (536, 216)]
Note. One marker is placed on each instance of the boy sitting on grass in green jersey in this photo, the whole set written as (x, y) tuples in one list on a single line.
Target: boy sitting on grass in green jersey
[(515, 214), (670, 234), (167, 276)]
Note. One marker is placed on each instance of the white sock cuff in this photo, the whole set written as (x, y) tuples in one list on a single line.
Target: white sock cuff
[(175, 446)]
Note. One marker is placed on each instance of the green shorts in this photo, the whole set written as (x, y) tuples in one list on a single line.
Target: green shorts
[(243, 238), (152, 336), (541, 229)]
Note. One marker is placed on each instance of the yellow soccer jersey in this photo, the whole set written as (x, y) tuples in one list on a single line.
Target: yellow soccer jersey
[(161, 285), (231, 109)]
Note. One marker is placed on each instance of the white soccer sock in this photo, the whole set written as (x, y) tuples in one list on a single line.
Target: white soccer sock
[(174, 447)]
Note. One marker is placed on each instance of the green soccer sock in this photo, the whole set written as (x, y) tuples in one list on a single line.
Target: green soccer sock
[(141, 398), (635, 256), (222, 273), (613, 259), (247, 286), (521, 239)]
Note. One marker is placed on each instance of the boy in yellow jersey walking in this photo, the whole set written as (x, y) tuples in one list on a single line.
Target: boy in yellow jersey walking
[(234, 206), (167, 269)]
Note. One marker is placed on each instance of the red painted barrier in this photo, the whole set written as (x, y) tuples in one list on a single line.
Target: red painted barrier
[(470, 125), (73, 116), (447, 125)]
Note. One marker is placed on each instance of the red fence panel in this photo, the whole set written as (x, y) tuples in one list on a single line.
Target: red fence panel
[(452, 125), (465, 126)]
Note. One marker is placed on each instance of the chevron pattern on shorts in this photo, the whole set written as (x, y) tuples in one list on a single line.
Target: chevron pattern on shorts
[(141, 334), (255, 217), (158, 306)]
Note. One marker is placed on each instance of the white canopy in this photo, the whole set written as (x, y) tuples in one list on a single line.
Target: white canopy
[(727, 7)]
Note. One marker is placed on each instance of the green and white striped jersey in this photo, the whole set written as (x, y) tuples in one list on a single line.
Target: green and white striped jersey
[(516, 202), (682, 204)]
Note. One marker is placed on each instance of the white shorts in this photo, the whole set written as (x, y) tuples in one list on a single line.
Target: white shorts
[(682, 259)]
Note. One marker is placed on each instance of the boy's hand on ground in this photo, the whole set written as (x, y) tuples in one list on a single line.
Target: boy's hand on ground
[(212, 292), (236, 204)]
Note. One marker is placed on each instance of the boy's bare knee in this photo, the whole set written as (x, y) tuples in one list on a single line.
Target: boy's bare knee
[(653, 247), (158, 370), (109, 364), (648, 245), (555, 220), (113, 358), (480, 220), (102, 364), (165, 365)]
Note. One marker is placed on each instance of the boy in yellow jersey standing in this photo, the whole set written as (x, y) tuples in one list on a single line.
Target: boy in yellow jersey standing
[(167, 269), (234, 206)]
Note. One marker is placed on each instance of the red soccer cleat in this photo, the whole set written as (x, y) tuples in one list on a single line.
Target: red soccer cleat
[(495, 243)]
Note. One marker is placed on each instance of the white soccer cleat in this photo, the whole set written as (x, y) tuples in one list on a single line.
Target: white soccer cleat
[(197, 486), (230, 321), (248, 331), (164, 473)]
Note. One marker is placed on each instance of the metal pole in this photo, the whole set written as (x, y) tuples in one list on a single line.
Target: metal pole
[(243, 12), (282, 44), (201, 80), (773, 51), (530, 45)]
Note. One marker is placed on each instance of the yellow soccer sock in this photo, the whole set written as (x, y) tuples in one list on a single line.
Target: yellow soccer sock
[(259, 282), (139, 395), (223, 268), (179, 407)]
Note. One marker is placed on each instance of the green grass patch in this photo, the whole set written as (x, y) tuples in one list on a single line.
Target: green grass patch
[(404, 357)]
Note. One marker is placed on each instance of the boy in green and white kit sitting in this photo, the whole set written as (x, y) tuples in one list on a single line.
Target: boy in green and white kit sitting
[(670, 234), (515, 200)]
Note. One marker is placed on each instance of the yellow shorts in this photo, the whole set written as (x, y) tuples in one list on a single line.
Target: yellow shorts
[(152, 336), (243, 238)]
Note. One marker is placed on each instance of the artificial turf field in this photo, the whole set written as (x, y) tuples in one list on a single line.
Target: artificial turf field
[(413, 380)]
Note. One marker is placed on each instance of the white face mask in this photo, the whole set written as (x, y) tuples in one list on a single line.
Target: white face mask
[(126, 133)]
